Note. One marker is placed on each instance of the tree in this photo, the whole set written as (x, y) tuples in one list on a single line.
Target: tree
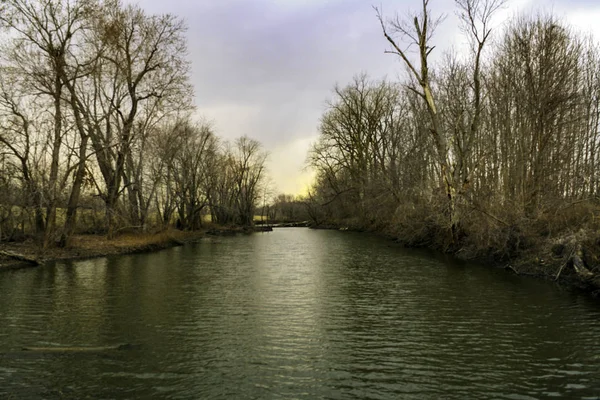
[(18, 137), (190, 168), (144, 75), (363, 137), (43, 50), (476, 15), (249, 171)]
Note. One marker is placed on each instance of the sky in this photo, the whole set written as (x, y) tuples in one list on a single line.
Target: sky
[(266, 68)]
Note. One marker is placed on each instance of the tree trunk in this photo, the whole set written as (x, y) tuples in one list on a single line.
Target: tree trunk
[(71, 218), (53, 180)]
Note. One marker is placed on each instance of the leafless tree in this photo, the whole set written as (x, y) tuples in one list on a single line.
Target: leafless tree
[(418, 31)]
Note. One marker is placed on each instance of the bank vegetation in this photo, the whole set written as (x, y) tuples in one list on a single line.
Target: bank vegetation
[(492, 154)]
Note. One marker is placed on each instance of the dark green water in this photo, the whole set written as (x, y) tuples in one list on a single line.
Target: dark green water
[(294, 314)]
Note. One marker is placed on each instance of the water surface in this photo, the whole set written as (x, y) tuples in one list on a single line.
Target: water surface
[(294, 314)]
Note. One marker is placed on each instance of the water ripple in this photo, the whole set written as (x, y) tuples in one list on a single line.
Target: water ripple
[(294, 314)]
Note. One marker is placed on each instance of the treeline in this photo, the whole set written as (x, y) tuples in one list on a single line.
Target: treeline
[(287, 208), (96, 128), (482, 153)]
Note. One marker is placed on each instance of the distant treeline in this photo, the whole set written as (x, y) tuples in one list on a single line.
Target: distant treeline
[(286, 208), (486, 153), (95, 122)]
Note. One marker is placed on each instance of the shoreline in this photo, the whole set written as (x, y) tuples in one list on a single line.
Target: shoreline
[(530, 264), (538, 262), (27, 254)]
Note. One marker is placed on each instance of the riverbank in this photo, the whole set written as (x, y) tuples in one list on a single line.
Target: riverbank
[(571, 260), (28, 253)]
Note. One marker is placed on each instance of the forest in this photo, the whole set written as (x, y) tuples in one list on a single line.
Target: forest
[(490, 154), (97, 127)]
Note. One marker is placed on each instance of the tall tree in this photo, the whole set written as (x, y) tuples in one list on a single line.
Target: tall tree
[(43, 48), (145, 71), (418, 31)]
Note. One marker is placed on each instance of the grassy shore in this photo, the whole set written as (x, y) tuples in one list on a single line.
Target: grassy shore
[(90, 246)]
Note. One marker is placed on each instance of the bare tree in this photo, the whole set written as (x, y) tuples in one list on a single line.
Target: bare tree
[(249, 167), (190, 168), (18, 137), (43, 49), (418, 31), (144, 68)]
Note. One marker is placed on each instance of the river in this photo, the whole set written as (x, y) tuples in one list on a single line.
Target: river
[(293, 314)]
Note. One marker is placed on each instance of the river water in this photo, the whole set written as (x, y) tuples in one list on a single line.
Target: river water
[(293, 314)]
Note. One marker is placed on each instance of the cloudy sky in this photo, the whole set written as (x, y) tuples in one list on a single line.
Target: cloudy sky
[(265, 68)]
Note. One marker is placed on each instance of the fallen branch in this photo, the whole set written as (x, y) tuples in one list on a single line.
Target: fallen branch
[(563, 266), (576, 260), (508, 266), (20, 257), (579, 265)]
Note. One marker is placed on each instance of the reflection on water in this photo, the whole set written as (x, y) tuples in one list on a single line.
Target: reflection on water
[(294, 313)]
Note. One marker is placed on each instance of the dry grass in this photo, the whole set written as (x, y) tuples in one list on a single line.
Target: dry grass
[(127, 240), (130, 242), (88, 246)]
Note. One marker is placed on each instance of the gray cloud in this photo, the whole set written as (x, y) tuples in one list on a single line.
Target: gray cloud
[(265, 68), (280, 61)]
